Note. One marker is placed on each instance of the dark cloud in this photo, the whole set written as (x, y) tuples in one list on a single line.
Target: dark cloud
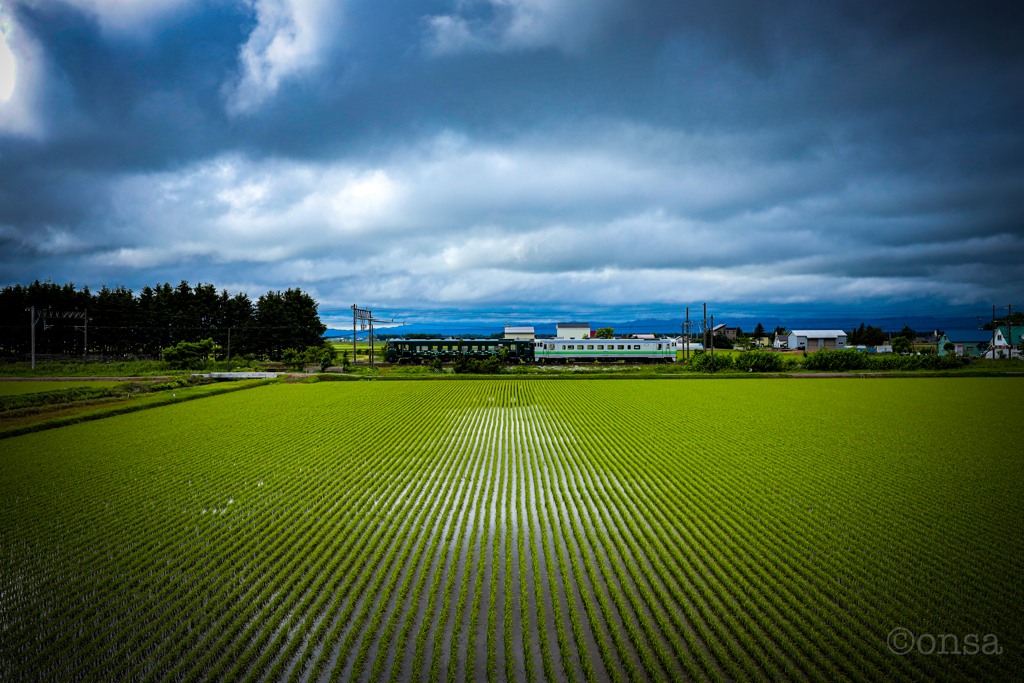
[(483, 152)]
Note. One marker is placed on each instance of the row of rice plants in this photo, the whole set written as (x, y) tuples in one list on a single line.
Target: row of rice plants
[(809, 632), (755, 641), (350, 621), (489, 446), (439, 562), (414, 489), (241, 643)]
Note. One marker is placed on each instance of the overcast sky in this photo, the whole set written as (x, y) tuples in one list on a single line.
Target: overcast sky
[(497, 154)]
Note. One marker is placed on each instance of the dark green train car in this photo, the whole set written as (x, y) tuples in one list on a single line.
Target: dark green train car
[(449, 350)]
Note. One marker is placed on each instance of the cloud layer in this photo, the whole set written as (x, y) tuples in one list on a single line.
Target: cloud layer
[(482, 154)]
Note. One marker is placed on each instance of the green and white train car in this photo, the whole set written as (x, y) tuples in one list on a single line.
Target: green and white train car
[(576, 350)]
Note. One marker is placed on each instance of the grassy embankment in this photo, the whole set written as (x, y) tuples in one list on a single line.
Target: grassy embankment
[(30, 412)]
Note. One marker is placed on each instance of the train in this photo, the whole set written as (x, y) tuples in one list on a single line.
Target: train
[(420, 351)]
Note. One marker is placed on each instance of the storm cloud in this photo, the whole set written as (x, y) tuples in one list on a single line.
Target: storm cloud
[(492, 153)]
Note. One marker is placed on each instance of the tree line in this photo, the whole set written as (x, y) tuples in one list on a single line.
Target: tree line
[(123, 323)]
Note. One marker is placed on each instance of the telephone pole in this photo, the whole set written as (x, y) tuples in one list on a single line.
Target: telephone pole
[(686, 355), (712, 342), (33, 319), (704, 330), (993, 332), (1009, 330)]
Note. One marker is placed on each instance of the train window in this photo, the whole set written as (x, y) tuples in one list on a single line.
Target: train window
[(659, 347), (600, 347), (636, 346), (590, 347), (620, 347), (571, 347)]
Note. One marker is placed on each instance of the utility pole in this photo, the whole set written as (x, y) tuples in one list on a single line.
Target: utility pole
[(1009, 331), (712, 342), (993, 332), (32, 327), (85, 329), (353, 333), (704, 329), (686, 354), (33, 319)]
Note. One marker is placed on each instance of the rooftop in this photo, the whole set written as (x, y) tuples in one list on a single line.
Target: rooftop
[(818, 334), (969, 335), (518, 330), (586, 325)]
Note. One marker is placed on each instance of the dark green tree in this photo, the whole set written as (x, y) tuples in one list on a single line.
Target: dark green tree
[(187, 355), (287, 320)]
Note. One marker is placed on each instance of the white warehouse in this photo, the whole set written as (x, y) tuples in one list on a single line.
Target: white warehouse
[(816, 340), (572, 330)]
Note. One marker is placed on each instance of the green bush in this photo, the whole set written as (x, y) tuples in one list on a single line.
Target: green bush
[(759, 361), (847, 359), (490, 366), (701, 362), (839, 360), (189, 355)]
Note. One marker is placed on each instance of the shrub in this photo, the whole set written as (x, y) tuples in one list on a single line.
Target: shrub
[(839, 360), (701, 362), (189, 355), (845, 360), (490, 366), (759, 361)]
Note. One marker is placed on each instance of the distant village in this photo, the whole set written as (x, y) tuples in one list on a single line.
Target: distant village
[(1000, 341)]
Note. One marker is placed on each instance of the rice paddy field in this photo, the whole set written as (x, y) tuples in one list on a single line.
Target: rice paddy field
[(571, 531)]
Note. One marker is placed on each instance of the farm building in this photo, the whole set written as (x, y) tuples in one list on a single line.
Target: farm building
[(572, 330), (519, 333), (1014, 335), (815, 340), (965, 342), (781, 341)]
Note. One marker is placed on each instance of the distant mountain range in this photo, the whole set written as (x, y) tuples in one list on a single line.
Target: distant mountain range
[(674, 326)]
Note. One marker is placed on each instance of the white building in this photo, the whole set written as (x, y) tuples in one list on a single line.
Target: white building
[(1000, 346), (519, 333), (815, 340), (781, 341), (572, 330)]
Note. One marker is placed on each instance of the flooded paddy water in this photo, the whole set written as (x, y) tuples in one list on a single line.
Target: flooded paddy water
[(498, 530)]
